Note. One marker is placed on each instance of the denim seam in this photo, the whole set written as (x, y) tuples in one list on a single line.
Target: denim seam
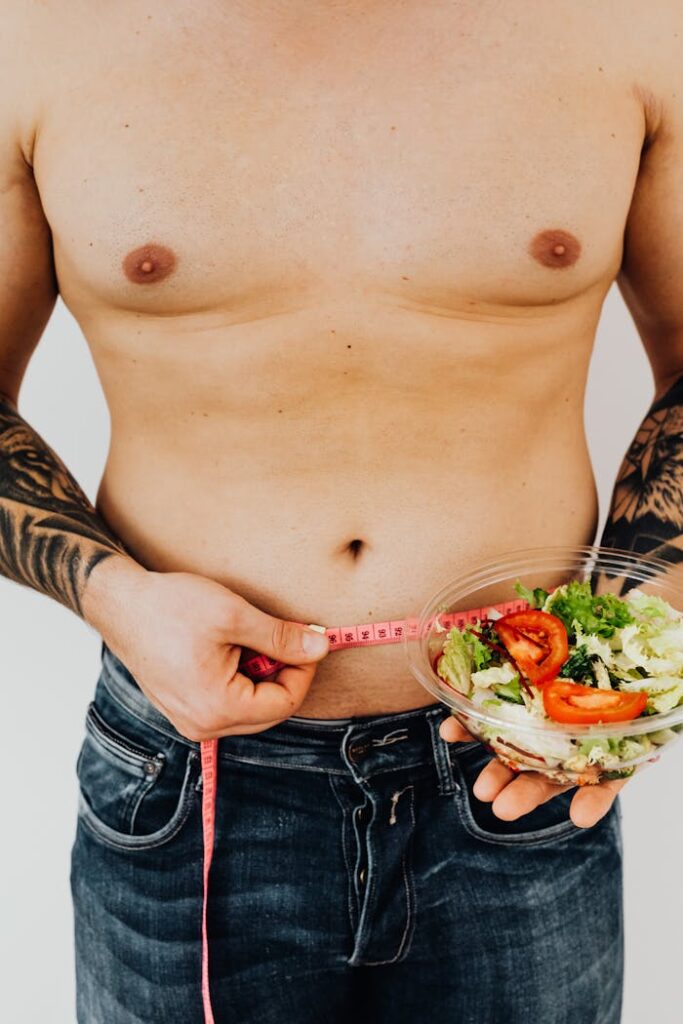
[(539, 837), (130, 843), (116, 756), (345, 816), (408, 880), (110, 746), (325, 771), (367, 905), (371, 721), (281, 764)]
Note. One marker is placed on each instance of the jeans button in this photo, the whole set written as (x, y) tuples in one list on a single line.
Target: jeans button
[(361, 876), (356, 752)]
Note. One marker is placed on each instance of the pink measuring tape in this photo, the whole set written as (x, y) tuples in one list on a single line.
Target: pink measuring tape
[(260, 666)]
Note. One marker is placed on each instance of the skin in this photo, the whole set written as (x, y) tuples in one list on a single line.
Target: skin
[(339, 267)]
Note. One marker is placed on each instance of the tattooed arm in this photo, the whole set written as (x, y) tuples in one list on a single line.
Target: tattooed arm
[(646, 513), (51, 537)]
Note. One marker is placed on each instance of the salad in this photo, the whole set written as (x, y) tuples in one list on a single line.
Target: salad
[(576, 658)]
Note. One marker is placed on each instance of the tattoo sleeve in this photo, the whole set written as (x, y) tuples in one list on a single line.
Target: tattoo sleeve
[(646, 512), (51, 537)]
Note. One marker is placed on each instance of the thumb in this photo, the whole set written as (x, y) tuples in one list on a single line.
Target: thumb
[(286, 641)]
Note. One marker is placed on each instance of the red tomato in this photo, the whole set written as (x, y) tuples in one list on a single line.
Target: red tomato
[(537, 642), (585, 705)]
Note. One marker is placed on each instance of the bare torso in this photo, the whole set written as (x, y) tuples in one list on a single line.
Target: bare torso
[(340, 267)]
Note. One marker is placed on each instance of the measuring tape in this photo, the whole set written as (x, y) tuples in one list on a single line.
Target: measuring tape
[(259, 666)]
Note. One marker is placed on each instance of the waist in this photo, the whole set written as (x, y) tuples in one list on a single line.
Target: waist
[(350, 550), (355, 745)]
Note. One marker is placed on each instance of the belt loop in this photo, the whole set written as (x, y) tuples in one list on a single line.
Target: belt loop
[(442, 759)]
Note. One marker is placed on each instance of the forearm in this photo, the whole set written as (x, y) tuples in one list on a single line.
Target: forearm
[(51, 537), (646, 512)]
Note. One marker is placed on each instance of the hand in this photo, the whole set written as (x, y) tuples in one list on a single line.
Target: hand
[(513, 794), (181, 636)]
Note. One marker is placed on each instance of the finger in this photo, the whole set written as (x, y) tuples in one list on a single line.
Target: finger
[(289, 642), (524, 794), (452, 731), (249, 703), (491, 780), (591, 803)]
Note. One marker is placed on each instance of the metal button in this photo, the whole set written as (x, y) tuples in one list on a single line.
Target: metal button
[(361, 876), (357, 751), (150, 767)]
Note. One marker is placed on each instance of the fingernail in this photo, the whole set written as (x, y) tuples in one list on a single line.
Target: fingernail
[(313, 643)]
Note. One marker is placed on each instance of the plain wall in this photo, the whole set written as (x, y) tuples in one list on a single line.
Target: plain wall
[(50, 663)]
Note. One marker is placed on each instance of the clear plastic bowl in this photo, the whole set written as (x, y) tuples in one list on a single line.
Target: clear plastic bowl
[(492, 583)]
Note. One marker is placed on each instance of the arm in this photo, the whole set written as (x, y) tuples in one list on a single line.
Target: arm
[(646, 512), (51, 538), (180, 634)]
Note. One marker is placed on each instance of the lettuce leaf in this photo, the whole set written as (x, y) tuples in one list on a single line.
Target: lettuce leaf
[(463, 654), (600, 615), (535, 598), (497, 676)]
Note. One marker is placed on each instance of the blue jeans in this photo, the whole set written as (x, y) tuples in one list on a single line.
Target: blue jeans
[(356, 878)]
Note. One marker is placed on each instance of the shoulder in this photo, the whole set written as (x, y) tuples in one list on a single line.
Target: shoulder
[(656, 41), (30, 56)]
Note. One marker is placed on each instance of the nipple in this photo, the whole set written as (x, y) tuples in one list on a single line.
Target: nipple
[(555, 248), (149, 263)]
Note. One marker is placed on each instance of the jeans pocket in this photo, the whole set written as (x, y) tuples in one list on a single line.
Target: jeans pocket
[(547, 823), (134, 794)]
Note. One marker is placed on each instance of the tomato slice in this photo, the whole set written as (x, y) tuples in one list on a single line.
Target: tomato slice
[(536, 641), (565, 701)]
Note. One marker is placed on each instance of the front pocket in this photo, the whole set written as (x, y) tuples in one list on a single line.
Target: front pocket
[(132, 796), (548, 823)]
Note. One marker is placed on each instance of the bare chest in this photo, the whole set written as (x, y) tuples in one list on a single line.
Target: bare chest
[(418, 153)]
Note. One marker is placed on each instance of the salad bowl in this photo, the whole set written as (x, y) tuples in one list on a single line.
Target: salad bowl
[(566, 661)]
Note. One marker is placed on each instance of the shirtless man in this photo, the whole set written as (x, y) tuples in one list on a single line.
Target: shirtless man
[(340, 267)]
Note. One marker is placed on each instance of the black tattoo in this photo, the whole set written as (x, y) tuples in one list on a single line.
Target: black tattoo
[(646, 513), (51, 537)]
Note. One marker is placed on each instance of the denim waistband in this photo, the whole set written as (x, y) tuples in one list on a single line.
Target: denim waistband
[(361, 746)]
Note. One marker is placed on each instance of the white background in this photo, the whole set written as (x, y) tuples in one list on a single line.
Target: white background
[(50, 663)]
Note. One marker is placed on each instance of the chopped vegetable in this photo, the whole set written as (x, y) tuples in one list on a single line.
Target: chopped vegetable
[(578, 665), (535, 598), (586, 705), (600, 614), (536, 641)]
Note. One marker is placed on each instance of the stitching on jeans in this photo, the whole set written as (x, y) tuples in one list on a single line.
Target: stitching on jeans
[(119, 759), (391, 737), (370, 721), (128, 843), (408, 879), (349, 900), (539, 837), (282, 764), (367, 902)]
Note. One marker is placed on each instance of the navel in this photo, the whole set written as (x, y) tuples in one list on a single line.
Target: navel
[(149, 264), (555, 248)]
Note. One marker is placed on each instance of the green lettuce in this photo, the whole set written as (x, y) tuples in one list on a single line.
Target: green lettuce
[(463, 654), (601, 614), (578, 665), (456, 662), (535, 598)]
